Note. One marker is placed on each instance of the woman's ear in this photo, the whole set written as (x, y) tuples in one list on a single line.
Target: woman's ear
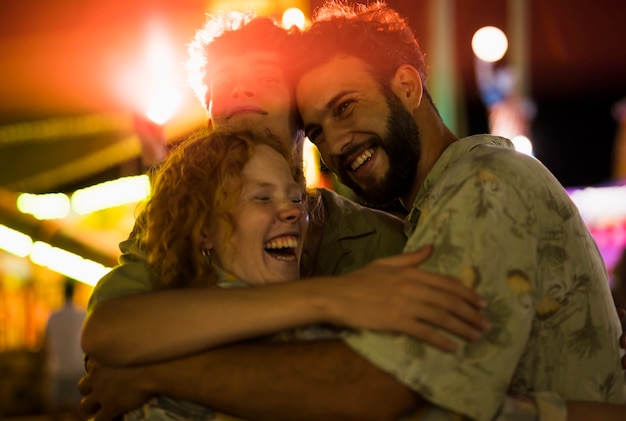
[(206, 239), (407, 85)]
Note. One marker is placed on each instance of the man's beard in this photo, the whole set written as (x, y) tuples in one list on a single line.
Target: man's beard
[(402, 145)]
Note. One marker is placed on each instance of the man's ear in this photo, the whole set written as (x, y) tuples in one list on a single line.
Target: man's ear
[(407, 84)]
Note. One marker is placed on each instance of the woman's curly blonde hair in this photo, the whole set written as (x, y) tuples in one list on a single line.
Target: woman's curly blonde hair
[(196, 185)]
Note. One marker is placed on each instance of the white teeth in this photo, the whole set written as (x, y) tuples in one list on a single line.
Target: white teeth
[(289, 258), (282, 243), (360, 160)]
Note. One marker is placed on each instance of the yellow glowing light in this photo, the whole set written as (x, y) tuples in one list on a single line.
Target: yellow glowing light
[(165, 94), (163, 106), (293, 17), (523, 145), (111, 193), (44, 206), (15, 242), (68, 264), (489, 44), (151, 81), (310, 157)]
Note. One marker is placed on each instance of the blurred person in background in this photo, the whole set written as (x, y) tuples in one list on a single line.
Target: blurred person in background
[(64, 356)]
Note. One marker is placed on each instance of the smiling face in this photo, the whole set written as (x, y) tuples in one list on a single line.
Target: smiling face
[(367, 137), (269, 223), (251, 90)]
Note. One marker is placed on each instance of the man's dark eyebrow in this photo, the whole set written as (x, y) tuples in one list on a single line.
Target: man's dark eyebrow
[(331, 104), (335, 99)]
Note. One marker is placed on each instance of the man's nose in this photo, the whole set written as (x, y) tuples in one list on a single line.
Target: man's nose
[(243, 88), (337, 141)]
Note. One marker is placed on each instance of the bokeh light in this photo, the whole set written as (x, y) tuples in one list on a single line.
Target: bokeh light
[(293, 17), (523, 145), (489, 44)]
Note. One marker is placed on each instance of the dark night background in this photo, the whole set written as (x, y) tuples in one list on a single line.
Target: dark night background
[(577, 72), (62, 59)]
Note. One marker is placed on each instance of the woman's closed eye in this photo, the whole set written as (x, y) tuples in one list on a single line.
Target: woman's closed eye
[(297, 198), (262, 198)]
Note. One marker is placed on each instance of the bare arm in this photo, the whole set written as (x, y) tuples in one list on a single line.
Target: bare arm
[(159, 325), (307, 381), (318, 380), (382, 296), (260, 381), (269, 381), (587, 411)]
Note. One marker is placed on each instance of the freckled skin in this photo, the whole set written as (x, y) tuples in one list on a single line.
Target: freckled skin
[(270, 206)]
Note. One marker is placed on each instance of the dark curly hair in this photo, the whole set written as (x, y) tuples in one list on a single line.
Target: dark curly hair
[(374, 33)]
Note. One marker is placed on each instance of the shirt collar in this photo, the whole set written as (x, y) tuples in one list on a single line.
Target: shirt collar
[(450, 155)]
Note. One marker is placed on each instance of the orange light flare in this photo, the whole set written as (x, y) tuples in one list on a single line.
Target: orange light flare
[(166, 92), (293, 17), (153, 84)]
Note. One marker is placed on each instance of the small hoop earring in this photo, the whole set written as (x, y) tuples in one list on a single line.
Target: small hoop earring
[(207, 253)]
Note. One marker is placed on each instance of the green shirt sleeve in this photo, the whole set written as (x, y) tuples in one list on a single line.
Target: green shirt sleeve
[(131, 276)]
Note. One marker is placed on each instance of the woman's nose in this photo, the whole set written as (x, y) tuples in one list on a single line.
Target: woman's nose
[(291, 212)]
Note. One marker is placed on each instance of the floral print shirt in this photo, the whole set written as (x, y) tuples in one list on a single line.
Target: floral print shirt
[(502, 223)]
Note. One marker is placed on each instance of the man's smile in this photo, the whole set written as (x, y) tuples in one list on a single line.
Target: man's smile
[(362, 158), (245, 109)]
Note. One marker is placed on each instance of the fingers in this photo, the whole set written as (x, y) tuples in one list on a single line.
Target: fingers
[(91, 410), (84, 385), (442, 310), (450, 322), (621, 313), (468, 319), (431, 336), (88, 408), (427, 303)]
